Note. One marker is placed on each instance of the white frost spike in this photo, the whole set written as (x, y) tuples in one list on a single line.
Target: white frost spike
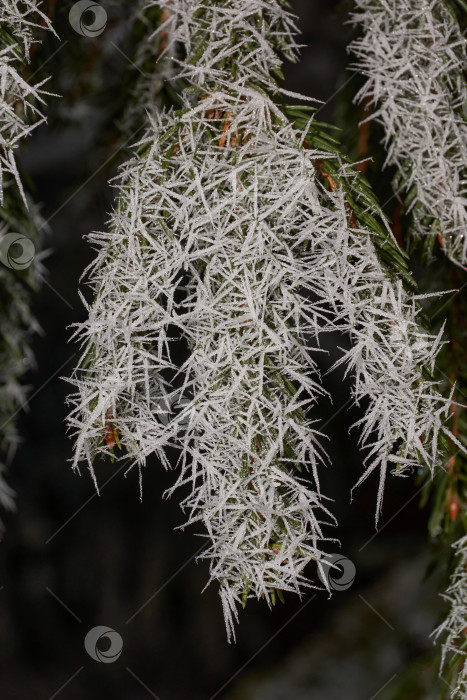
[(452, 629), (23, 18), (413, 55)]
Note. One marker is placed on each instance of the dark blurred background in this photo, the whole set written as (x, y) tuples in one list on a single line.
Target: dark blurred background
[(71, 560)]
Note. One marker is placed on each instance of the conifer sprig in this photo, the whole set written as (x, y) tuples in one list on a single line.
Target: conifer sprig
[(20, 101), (452, 631), (17, 326), (20, 112), (413, 55), (242, 229), (151, 67)]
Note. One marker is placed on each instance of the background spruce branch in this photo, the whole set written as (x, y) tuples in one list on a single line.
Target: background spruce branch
[(21, 105), (413, 55)]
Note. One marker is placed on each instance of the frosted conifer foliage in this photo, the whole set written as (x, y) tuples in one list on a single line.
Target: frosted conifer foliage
[(250, 373), (127, 346), (17, 325), (452, 631), (19, 101), (242, 41), (391, 359), (413, 55), (19, 114), (152, 64), (227, 227)]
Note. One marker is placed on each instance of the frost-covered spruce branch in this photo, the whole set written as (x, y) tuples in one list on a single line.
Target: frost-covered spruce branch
[(250, 371), (392, 359), (453, 630), (19, 115), (164, 226), (20, 101), (448, 521), (151, 66), (449, 499), (413, 55), (251, 212), (17, 325)]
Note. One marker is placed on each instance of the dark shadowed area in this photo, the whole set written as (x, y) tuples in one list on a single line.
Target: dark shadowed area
[(72, 560)]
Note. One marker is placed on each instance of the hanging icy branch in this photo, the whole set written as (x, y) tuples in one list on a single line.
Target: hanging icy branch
[(389, 357), (452, 631), (127, 341), (242, 229), (371, 292), (413, 55), (250, 373), (245, 188)]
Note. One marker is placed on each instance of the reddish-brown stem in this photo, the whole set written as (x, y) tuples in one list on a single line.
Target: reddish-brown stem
[(110, 431), (223, 138)]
